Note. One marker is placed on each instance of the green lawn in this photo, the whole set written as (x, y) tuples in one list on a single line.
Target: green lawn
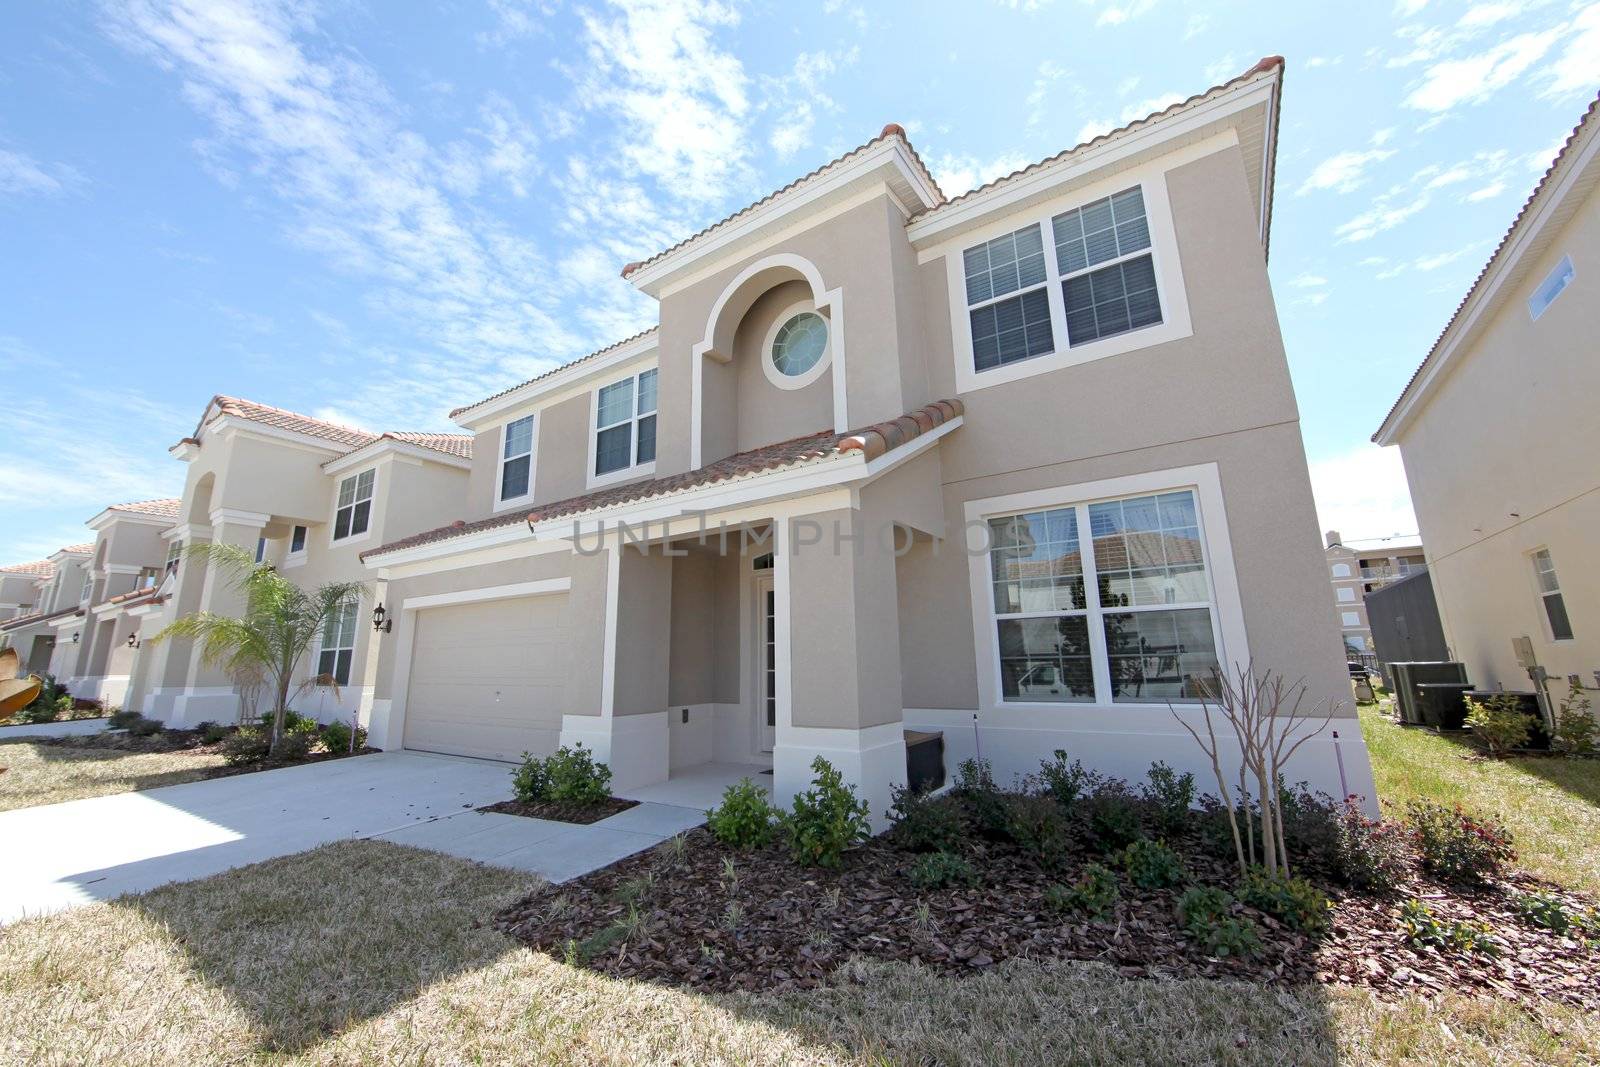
[(1551, 805)]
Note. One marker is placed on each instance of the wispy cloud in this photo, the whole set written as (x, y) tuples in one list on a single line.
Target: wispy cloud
[(1472, 79), (1575, 70), (1343, 171), (1388, 210), (22, 175), (958, 174), (1119, 11), (1095, 127)]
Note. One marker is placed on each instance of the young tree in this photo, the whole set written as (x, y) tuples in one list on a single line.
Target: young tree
[(279, 623)]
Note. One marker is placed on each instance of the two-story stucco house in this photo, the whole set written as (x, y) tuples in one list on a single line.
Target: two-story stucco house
[(1022, 467), (42, 635), (1499, 432), (306, 496), (19, 587)]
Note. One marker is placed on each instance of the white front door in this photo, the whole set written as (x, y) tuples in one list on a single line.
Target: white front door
[(765, 664)]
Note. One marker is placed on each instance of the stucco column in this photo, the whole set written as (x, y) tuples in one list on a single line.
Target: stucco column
[(208, 694), (838, 657)]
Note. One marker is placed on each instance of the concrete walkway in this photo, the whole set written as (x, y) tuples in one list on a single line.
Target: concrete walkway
[(63, 855), (65, 728)]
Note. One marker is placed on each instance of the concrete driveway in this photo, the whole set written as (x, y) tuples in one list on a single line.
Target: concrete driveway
[(62, 855)]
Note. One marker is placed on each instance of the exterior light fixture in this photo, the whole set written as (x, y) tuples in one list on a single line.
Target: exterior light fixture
[(133, 641), (75, 638), (381, 624)]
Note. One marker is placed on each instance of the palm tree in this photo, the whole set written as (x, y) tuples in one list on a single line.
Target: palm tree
[(279, 624)]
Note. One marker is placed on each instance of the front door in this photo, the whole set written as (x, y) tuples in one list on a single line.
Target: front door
[(766, 664)]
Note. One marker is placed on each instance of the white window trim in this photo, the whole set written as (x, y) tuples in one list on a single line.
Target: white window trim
[(291, 557), (1563, 267), (1346, 594), (1540, 594), (636, 470), (503, 503), (1350, 619), (333, 512), (355, 643), (1175, 322), (1227, 618), (798, 381)]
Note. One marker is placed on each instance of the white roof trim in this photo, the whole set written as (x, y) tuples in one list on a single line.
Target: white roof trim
[(564, 378), (398, 447)]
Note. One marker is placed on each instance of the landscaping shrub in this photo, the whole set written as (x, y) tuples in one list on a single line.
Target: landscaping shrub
[(1114, 816), (1168, 796), (1370, 854), (1216, 836), (826, 819), (1152, 865), (336, 736), (248, 744), (1038, 825), (745, 817), (1067, 783), (1575, 725), (935, 870), (1206, 914), (212, 732), (303, 725), (292, 720), (122, 720), (529, 782), (1459, 847), (924, 824), (1543, 909), (293, 746), (1498, 723), (985, 803), (573, 776), (1094, 893), (1294, 901), (39, 711), (144, 727), (1424, 929), (1203, 905), (1310, 822)]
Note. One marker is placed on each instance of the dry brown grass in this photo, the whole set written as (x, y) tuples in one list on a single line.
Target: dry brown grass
[(365, 952), (49, 774)]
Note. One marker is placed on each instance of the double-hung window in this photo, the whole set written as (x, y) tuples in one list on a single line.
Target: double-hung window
[(1102, 261), (625, 424), (353, 514), (339, 642), (1131, 620), (1555, 605), (516, 459), (297, 540)]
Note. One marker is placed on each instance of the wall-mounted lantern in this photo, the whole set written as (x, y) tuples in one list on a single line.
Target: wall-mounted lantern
[(75, 638), (380, 622), (133, 641)]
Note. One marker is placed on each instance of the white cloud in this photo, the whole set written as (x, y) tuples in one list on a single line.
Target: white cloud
[(800, 96), (958, 174), (1475, 78), (1383, 136), (1388, 211), (1487, 192), (1198, 23), (1362, 493), (1481, 15), (1407, 8), (1343, 171), (1575, 71), (1041, 97), (1308, 281), (1144, 108), (1223, 69), (1440, 259), (22, 175), (1323, 61), (1120, 11)]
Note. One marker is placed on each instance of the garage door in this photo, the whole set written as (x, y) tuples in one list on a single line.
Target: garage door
[(488, 679)]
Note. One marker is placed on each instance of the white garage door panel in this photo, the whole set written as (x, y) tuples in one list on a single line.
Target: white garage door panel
[(488, 679)]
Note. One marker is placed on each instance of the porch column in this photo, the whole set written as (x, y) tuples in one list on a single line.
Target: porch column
[(838, 657), (208, 693)]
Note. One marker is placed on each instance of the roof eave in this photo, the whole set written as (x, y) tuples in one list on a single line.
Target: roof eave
[(483, 413), (398, 447)]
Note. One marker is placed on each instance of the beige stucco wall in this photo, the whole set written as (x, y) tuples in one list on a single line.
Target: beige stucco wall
[(761, 412), (1501, 461)]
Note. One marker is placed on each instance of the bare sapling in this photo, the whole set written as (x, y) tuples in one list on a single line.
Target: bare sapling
[(1269, 724)]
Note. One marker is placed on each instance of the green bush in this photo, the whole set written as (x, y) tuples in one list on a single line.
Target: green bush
[(745, 818), (1203, 905), (1234, 936), (122, 720), (985, 803), (1543, 909), (1038, 825), (1094, 894), (145, 727), (1114, 816), (1459, 847), (336, 737), (293, 745), (292, 720), (575, 777), (1424, 929), (38, 712), (936, 870), (529, 782), (1498, 723), (303, 725), (1167, 797), (921, 823), (211, 732), (248, 744), (1067, 783), (1575, 725), (1310, 822), (1295, 901), (1370, 854), (1152, 865), (826, 819)]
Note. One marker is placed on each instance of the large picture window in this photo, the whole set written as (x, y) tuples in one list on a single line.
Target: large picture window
[(353, 514), (625, 424), (1131, 620), (339, 643)]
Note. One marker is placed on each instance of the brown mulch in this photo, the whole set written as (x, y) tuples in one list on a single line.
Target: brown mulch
[(583, 814), (186, 742), (784, 927)]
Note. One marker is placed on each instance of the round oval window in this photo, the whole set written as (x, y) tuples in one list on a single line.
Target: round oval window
[(799, 344)]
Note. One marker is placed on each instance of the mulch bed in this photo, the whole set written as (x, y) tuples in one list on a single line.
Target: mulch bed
[(582, 814), (782, 926), (185, 742)]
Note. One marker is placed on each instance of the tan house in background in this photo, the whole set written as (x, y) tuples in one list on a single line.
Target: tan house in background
[(306, 496), (1357, 570), (1021, 467), (42, 635), (1500, 433)]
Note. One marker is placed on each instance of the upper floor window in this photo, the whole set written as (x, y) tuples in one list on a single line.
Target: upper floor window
[(625, 424), (516, 459), (354, 512), (148, 577), (1555, 605), (297, 540), (1007, 328), (1341, 570), (1105, 300), (1554, 284), (174, 553), (261, 550)]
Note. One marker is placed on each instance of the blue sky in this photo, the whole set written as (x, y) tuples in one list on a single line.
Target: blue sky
[(374, 212)]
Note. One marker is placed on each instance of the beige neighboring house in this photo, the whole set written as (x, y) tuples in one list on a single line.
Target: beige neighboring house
[(19, 587), (1021, 467), (42, 635), (306, 496), (1357, 570), (1500, 433)]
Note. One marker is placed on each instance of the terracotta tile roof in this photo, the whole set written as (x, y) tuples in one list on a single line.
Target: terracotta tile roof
[(151, 593), (541, 377), (38, 616), (39, 568), (1265, 64), (347, 436), (893, 129), (78, 550), (1477, 283), (165, 509), (451, 444), (871, 441)]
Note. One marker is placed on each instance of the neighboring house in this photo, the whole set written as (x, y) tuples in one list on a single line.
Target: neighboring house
[(1499, 429), (19, 587), (742, 537), (1358, 570), (43, 637), (306, 496)]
